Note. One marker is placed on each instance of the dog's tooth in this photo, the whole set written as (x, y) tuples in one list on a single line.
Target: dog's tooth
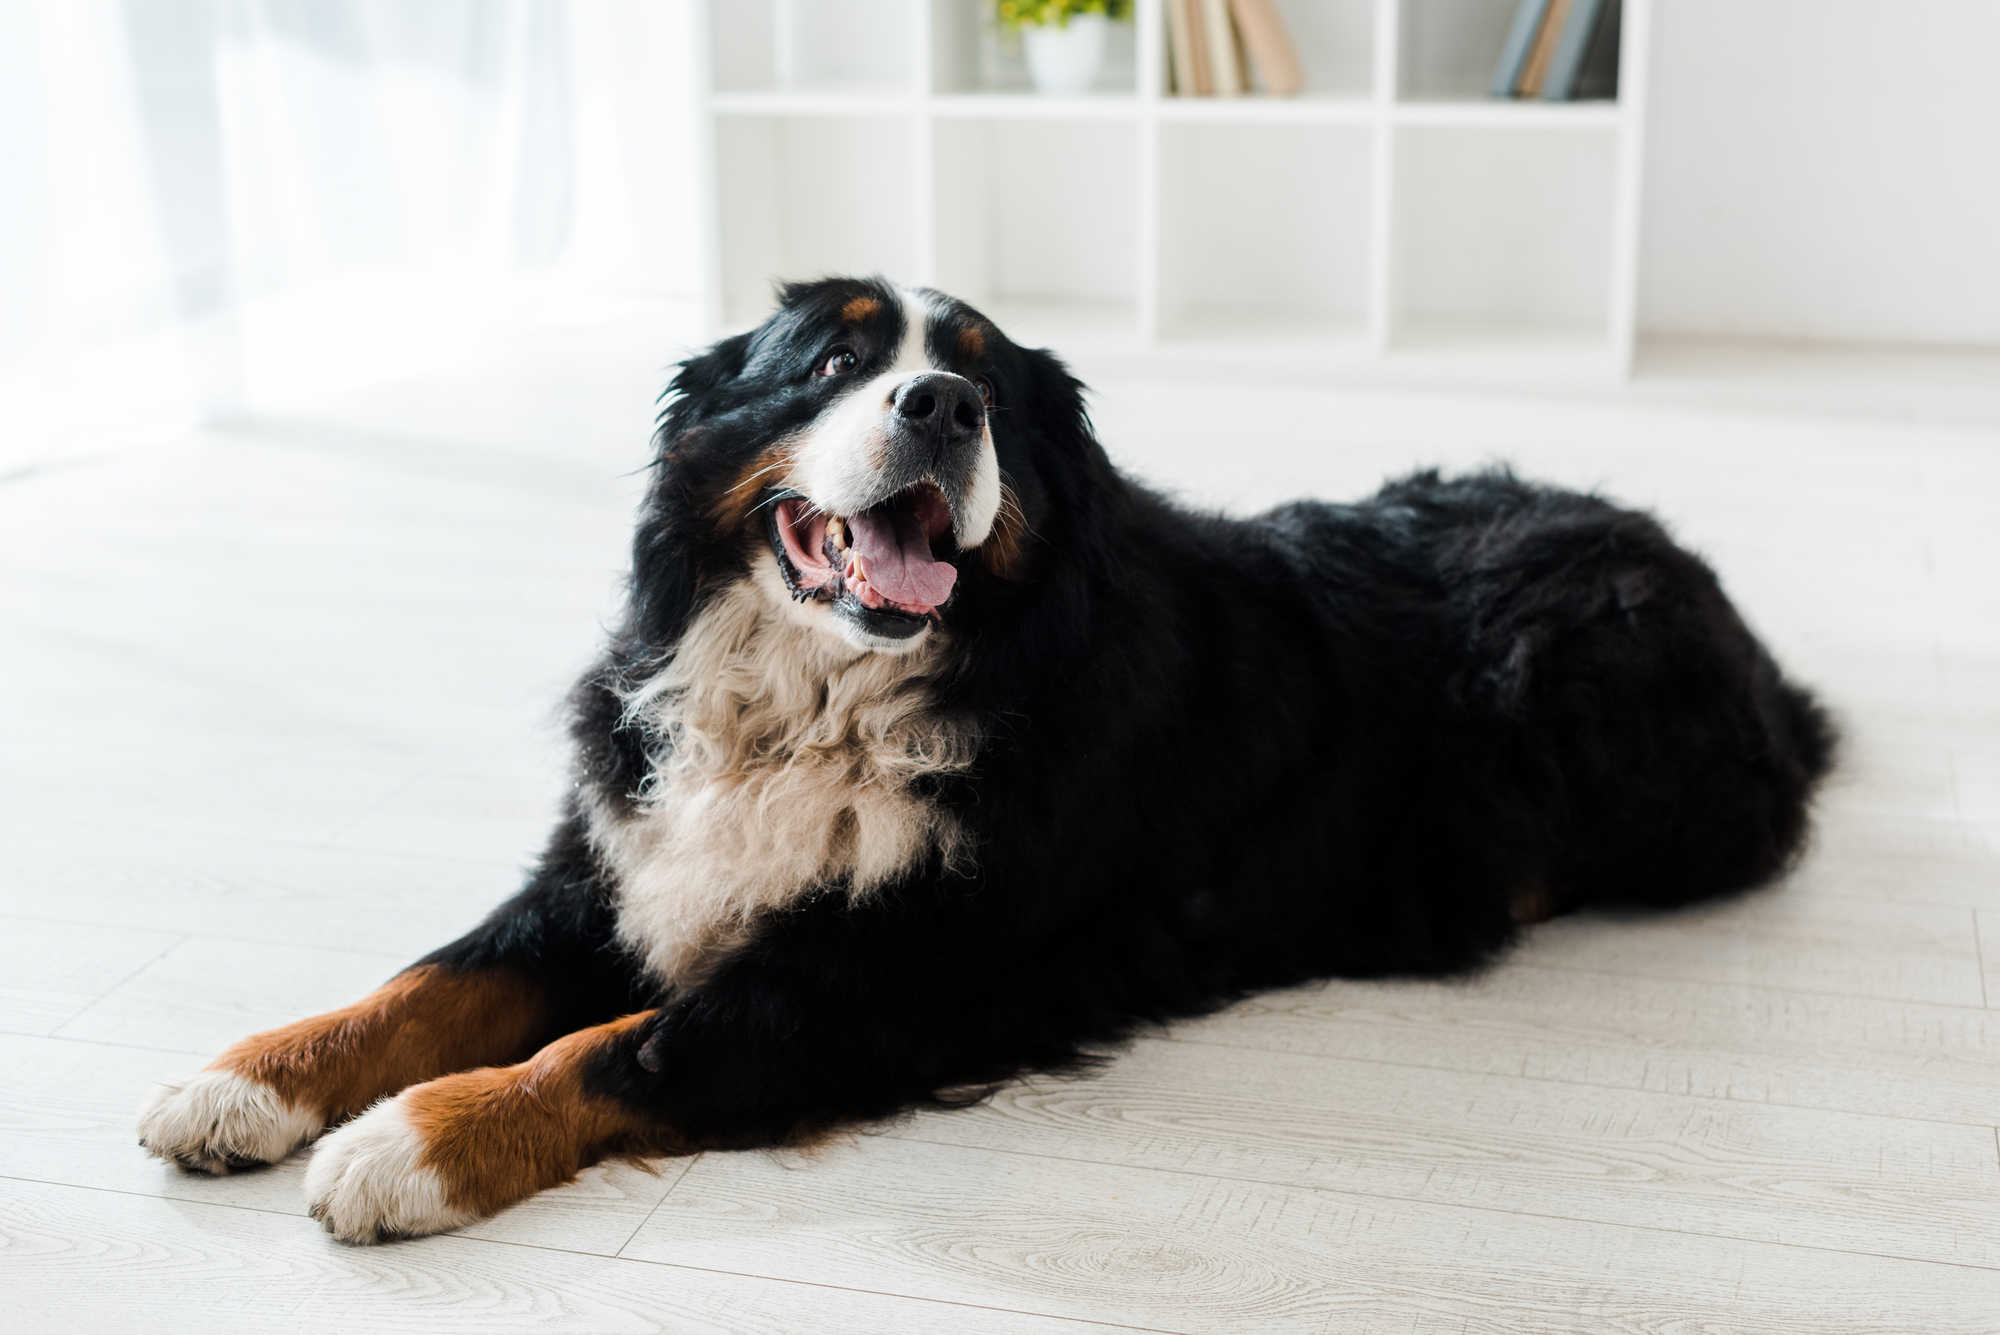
[(836, 528)]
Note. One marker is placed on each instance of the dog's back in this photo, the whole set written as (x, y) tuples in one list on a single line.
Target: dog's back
[(1611, 730)]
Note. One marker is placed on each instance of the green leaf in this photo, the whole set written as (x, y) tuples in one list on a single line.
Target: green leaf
[(1015, 15)]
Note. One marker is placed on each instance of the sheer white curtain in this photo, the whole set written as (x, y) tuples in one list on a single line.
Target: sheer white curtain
[(216, 206)]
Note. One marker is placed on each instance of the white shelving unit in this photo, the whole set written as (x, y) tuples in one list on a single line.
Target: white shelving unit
[(1393, 212)]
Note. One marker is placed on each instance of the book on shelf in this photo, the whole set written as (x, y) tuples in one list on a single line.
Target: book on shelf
[(1224, 61), (1535, 69), (1520, 39), (1189, 60), (1269, 46), (1560, 51), (1212, 46), (1585, 64)]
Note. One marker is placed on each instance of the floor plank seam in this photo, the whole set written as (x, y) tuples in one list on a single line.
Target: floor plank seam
[(363, 815), (99, 1000), (501, 1242), (211, 936), (438, 763), (616, 1259), (686, 1168), (65, 462), (302, 1217), (401, 763), (1876, 901), (1777, 989), (107, 1043), (513, 867), (1979, 953), (1453, 1205), (1762, 987), (151, 1196), (907, 1297), (1576, 1084)]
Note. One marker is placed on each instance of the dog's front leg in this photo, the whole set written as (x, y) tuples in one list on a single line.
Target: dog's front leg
[(274, 1091), (441, 1154)]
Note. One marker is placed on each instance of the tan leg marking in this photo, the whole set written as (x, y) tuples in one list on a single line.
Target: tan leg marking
[(463, 1146), (422, 1023), (275, 1091)]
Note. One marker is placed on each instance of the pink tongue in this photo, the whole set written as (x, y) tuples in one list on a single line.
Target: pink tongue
[(897, 554)]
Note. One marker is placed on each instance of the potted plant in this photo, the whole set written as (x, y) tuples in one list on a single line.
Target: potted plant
[(1062, 39)]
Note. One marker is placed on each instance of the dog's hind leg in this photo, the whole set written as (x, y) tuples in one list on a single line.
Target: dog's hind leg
[(1650, 748)]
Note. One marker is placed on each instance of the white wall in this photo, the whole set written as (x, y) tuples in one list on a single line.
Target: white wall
[(1824, 169)]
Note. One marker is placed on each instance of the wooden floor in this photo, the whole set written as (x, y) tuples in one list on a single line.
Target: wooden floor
[(278, 716)]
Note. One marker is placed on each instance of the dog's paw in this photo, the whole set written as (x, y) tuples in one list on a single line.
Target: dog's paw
[(366, 1181), (218, 1121)]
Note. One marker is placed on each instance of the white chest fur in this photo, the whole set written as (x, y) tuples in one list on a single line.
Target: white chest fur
[(783, 761)]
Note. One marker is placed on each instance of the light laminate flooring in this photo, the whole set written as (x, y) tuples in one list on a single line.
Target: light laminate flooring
[(279, 715)]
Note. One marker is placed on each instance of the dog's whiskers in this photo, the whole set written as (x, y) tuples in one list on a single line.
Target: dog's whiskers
[(759, 473)]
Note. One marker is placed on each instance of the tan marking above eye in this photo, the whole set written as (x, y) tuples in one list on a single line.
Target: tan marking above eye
[(972, 341), (859, 308)]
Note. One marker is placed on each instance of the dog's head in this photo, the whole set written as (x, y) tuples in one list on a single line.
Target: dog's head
[(869, 455)]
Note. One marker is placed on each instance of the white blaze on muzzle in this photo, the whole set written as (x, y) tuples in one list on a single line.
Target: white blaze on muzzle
[(842, 463)]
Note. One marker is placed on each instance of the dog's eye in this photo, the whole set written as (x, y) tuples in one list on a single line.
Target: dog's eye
[(836, 362), (985, 388)]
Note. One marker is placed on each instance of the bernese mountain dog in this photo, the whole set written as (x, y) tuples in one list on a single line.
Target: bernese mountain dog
[(930, 750)]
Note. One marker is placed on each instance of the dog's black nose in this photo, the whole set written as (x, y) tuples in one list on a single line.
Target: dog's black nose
[(942, 403)]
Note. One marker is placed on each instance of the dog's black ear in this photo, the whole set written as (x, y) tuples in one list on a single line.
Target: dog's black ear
[(696, 378), (831, 291), (1057, 397), (1077, 465)]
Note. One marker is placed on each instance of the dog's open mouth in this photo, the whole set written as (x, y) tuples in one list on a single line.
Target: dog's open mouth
[(891, 560)]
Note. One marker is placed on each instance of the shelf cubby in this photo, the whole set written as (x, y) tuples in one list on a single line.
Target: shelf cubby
[(805, 195), (1505, 236), (1390, 210), (1447, 48), (970, 55), (1263, 233), (855, 46), (1335, 41), (1039, 215)]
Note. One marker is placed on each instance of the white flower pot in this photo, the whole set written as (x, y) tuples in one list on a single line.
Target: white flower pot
[(1063, 61)]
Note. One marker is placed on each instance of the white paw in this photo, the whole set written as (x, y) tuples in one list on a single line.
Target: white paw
[(219, 1120), (366, 1185)]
